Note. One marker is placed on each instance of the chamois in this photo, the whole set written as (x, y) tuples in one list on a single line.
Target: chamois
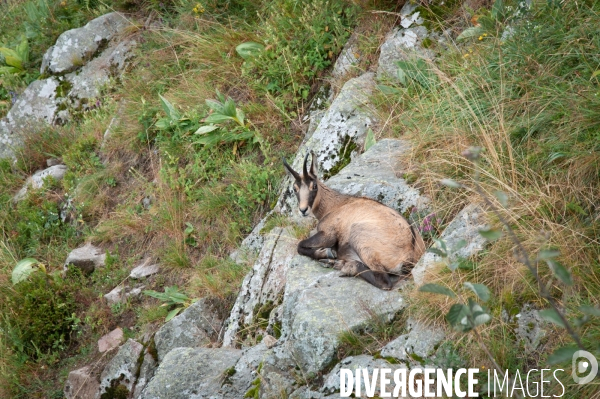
[(356, 235)]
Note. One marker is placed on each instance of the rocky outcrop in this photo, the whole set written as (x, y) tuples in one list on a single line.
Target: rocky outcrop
[(86, 258), (188, 373), (191, 329), (81, 384), (465, 226), (417, 345), (76, 68), (75, 47), (120, 374)]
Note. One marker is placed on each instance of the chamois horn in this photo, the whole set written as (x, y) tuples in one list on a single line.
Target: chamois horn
[(289, 168), (304, 167)]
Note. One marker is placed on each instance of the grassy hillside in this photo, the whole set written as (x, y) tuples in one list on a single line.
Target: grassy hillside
[(156, 189)]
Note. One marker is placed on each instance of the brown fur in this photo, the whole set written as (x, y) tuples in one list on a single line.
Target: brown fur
[(372, 240)]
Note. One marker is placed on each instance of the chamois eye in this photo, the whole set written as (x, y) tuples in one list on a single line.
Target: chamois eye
[(296, 188), (313, 186)]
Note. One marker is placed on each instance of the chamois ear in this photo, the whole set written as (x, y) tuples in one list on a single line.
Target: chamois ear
[(313, 166), (291, 171)]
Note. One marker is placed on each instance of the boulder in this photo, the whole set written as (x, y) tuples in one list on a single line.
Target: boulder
[(87, 258), (348, 59), (241, 378), (192, 373), (339, 136), (75, 47), (193, 328), (36, 181), (111, 340), (417, 345), (318, 305), (81, 384), (403, 43), (120, 374), (332, 380), (263, 285), (36, 107), (465, 226)]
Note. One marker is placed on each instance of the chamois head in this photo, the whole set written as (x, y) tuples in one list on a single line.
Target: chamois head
[(305, 186)]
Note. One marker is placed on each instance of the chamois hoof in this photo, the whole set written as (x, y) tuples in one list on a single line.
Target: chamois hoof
[(328, 263)]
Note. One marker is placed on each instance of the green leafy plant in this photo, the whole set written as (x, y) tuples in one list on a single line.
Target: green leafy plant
[(24, 268), (217, 128), (171, 298), (14, 59)]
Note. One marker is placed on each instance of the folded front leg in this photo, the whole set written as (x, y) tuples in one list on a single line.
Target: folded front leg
[(319, 246)]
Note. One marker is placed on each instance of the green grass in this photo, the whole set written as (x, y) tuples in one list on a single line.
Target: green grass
[(530, 100)]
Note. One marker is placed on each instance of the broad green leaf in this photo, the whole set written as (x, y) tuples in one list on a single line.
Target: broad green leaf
[(551, 316), (498, 10), (249, 50), (216, 106), (206, 129), (24, 268), (437, 289), (481, 318), (456, 313), (370, 140), (388, 89), (560, 272), (562, 354), (240, 116), (592, 311), (596, 73), (490, 234), (169, 109), (22, 49), (450, 183), (217, 118), (229, 108), (158, 295), (480, 290), (163, 124), (545, 254), (173, 313), (5, 70), (502, 198), (470, 32)]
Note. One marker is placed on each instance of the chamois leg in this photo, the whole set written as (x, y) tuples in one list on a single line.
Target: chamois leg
[(355, 268), (319, 246)]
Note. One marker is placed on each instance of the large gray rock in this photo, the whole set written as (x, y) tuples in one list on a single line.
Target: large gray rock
[(318, 305), (403, 43), (36, 107), (418, 344), (81, 384), (87, 82), (122, 369), (75, 47), (264, 284), (36, 181), (465, 226), (340, 134), (187, 373), (353, 363), (86, 258), (241, 378), (193, 328), (376, 174)]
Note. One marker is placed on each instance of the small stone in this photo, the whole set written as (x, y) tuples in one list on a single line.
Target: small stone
[(36, 181), (53, 162), (421, 340), (87, 258), (111, 340), (116, 295), (269, 341), (81, 384), (144, 269)]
